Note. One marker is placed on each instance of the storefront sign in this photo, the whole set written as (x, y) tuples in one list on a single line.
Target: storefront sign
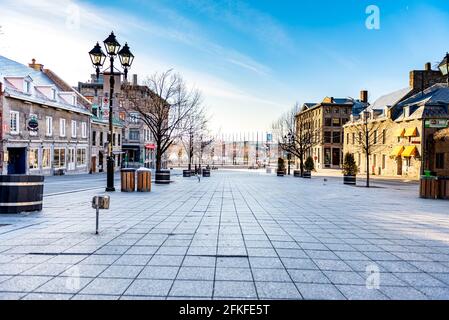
[(151, 146), (437, 123), (33, 124)]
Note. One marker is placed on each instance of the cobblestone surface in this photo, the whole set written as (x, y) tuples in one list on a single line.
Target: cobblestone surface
[(234, 235)]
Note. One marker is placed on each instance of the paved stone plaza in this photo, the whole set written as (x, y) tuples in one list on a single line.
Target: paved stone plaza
[(235, 235)]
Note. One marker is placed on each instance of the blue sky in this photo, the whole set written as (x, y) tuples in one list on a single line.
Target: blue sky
[(252, 59)]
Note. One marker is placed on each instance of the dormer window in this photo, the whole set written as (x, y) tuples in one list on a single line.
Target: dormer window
[(73, 101), (53, 94), (27, 87)]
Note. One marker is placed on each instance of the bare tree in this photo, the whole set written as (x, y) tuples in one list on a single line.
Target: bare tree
[(296, 135), (165, 108), (366, 135), (195, 125)]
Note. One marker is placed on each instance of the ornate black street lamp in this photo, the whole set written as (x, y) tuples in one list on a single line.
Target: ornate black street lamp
[(444, 67), (98, 58), (289, 139)]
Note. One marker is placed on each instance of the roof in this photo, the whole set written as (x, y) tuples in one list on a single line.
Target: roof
[(431, 103), (390, 99), (10, 68)]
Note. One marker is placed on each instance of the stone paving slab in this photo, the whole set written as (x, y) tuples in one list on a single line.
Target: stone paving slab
[(236, 235)]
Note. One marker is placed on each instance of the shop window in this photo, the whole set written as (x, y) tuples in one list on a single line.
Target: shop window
[(59, 158), (33, 159), (81, 157), (439, 161), (46, 158)]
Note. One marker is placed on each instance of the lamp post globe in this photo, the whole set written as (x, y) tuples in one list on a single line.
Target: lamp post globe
[(444, 67)]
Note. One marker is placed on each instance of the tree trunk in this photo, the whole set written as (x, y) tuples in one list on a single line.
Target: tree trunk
[(158, 158)]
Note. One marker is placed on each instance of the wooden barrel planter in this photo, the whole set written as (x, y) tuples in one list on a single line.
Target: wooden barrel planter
[(297, 173), (128, 180), (280, 173), (21, 193), (428, 187), (162, 177), (186, 173), (443, 188), (349, 180), (143, 181), (307, 175), (206, 173)]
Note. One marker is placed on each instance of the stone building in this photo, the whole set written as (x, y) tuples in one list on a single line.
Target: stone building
[(99, 105), (397, 134), (325, 121), (133, 144), (45, 129)]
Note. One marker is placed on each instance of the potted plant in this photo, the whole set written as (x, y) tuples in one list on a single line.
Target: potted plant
[(309, 166), (349, 169), (281, 168)]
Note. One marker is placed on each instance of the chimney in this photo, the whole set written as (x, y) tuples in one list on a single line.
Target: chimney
[(134, 79), (420, 80), (428, 66), (364, 96), (36, 66)]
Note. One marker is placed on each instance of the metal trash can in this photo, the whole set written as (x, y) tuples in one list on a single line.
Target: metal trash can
[(297, 173), (21, 193), (143, 180), (128, 180)]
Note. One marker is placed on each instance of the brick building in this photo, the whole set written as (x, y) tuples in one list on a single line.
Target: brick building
[(45, 128), (325, 120)]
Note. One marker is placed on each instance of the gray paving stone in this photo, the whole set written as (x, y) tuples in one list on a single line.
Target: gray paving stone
[(196, 273), (102, 286), (233, 262), (185, 288), (234, 289), (236, 274), (354, 292), (64, 285), (159, 272), (277, 290), (47, 296), (273, 275), (308, 276), (198, 261), (115, 271), (23, 283), (146, 287), (315, 291), (402, 293)]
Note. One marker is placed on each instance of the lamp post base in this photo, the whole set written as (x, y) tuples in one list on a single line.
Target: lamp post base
[(110, 175)]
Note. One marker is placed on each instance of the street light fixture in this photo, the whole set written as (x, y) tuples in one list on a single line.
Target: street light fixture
[(98, 58), (444, 67), (366, 116)]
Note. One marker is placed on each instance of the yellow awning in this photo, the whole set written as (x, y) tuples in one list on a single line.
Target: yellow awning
[(409, 151), (400, 132), (397, 151), (411, 132)]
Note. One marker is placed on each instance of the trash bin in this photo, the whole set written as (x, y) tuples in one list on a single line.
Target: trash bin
[(428, 187), (162, 177), (143, 180), (443, 188), (128, 179), (21, 193)]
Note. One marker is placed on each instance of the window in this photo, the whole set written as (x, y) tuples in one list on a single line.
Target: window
[(101, 139), (439, 161), (73, 129), (327, 110), (83, 129), (134, 117), (353, 138), (134, 135), (73, 101), (113, 139), (384, 136), (336, 137), (360, 137), (336, 111), (81, 157), (384, 161), (33, 132), (14, 122), (49, 126), (27, 86), (375, 137), (33, 157), (46, 156), (374, 160), (94, 138), (327, 122), (336, 122), (53, 94), (327, 137), (344, 121), (59, 158), (62, 127), (119, 139)]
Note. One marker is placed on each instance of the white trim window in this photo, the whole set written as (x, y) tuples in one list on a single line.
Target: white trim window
[(62, 128), (49, 126), (83, 130), (53, 94), (73, 129), (27, 86), (14, 123), (33, 158), (59, 158), (81, 158)]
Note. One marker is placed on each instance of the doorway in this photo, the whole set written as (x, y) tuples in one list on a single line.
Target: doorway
[(16, 160), (100, 161), (336, 157), (399, 163), (93, 164)]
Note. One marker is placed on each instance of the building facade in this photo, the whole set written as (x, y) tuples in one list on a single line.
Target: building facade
[(399, 128), (325, 122), (45, 130)]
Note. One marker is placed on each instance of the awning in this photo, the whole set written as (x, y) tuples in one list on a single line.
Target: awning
[(400, 132), (397, 151), (411, 132), (410, 151), (151, 146)]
